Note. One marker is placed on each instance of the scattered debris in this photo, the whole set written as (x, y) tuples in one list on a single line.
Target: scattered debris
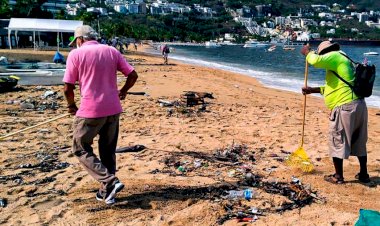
[(191, 98), (3, 202), (137, 93), (240, 194), (187, 102), (298, 195), (48, 93), (235, 162), (234, 153), (134, 148)]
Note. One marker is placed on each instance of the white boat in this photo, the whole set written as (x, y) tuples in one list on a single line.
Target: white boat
[(371, 54), (227, 43), (212, 44), (272, 48), (255, 44), (288, 48)]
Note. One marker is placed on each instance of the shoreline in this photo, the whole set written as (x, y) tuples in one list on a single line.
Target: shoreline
[(219, 66)]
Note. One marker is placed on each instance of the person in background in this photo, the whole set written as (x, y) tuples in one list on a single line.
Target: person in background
[(165, 53), (100, 106), (135, 45), (348, 131)]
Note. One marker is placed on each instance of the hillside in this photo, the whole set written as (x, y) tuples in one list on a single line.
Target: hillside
[(285, 5)]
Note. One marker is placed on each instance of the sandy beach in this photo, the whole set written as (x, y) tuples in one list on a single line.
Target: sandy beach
[(43, 183)]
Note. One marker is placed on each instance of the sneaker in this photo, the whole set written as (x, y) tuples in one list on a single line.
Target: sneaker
[(99, 197), (112, 190)]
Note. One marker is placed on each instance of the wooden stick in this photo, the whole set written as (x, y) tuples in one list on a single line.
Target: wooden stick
[(304, 104), (39, 124)]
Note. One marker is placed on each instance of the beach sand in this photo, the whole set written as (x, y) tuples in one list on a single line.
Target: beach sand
[(44, 184)]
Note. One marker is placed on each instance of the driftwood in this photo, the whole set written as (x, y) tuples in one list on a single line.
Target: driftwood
[(136, 93), (134, 148)]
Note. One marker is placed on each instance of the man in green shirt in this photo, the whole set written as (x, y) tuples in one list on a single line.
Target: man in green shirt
[(348, 131)]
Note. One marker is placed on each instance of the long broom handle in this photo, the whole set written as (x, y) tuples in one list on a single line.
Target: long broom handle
[(31, 127), (304, 104)]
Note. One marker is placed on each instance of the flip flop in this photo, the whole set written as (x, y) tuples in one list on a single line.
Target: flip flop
[(332, 179), (363, 178)]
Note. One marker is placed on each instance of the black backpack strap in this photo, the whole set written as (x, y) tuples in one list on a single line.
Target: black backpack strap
[(348, 57), (337, 75)]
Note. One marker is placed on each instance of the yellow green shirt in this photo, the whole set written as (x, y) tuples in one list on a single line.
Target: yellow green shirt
[(335, 91)]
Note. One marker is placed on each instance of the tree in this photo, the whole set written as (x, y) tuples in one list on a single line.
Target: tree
[(5, 11), (31, 9)]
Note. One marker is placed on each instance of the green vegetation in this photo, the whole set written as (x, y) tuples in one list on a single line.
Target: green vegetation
[(173, 27)]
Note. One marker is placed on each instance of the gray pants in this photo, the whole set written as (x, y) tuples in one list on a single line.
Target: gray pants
[(85, 130), (348, 132)]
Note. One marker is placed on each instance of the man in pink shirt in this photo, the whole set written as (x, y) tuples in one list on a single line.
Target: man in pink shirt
[(94, 66)]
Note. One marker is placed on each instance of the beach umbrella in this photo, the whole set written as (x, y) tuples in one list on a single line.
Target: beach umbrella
[(299, 157)]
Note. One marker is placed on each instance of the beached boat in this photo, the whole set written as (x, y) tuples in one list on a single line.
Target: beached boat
[(255, 44), (212, 44), (8, 82), (371, 54)]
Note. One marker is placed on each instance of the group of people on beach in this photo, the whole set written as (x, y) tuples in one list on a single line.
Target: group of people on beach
[(117, 43), (94, 67)]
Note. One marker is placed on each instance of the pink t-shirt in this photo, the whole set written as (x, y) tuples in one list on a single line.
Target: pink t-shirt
[(94, 67)]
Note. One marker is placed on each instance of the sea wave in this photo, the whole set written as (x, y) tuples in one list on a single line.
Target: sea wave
[(270, 79)]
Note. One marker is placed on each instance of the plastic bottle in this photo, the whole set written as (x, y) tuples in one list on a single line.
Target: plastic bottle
[(239, 194)]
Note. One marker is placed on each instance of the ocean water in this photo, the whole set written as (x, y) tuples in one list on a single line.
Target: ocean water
[(278, 69)]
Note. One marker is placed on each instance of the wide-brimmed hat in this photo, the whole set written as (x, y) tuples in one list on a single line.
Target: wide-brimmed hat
[(83, 31), (327, 45)]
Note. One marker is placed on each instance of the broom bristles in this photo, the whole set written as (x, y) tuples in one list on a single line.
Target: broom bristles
[(299, 159)]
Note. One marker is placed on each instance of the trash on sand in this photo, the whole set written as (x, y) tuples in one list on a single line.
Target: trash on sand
[(3, 203), (134, 148), (297, 194), (186, 103), (240, 194), (137, 93), (368, 218), (197, 163), (231, 173), (181, 169), (165, 103), (234, 153), (191, 98), (26, 105), (48, 93), (295, 180)]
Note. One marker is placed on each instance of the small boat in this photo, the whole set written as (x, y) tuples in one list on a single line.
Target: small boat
[(272, 48), (371, 54), (255, 44), (212, 44), (288, 48), (8, 83)]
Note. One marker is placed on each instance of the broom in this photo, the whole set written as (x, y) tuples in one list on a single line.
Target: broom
[(31, 127), (299, 157)]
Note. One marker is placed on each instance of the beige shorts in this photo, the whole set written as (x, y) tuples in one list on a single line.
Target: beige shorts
[(348, 133)]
